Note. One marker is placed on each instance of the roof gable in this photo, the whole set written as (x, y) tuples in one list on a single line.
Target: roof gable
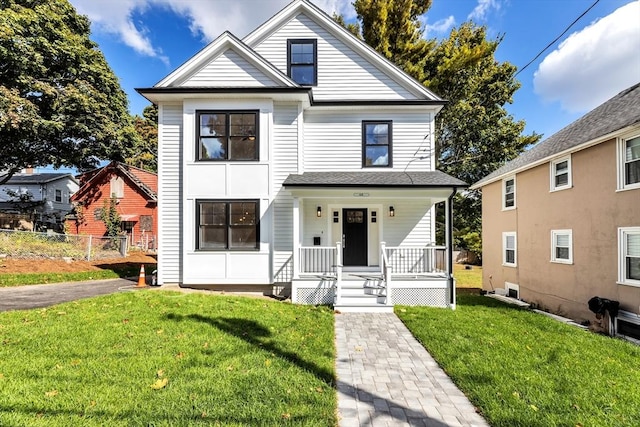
[(96, 178), (601, 124), (364, 53), (226, 62)]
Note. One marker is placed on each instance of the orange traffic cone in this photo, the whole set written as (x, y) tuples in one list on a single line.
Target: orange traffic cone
[(141, 279)]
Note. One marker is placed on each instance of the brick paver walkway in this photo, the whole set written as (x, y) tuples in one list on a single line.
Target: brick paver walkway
[(386, 378)]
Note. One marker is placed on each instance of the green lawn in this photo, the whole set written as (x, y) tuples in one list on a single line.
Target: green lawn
[(108, 272), (467, 278), (157, 358), (524, 369)]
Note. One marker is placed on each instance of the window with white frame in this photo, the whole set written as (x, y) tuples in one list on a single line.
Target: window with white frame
[(59, 196), (562, 246), (561, 174), (629, 163), (509, 249), (629, 256), (509, 193)]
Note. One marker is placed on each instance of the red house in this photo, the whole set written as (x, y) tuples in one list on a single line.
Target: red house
[(136, 194)]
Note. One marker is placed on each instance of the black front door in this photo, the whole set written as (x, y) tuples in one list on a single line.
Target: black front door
[(354, 236)]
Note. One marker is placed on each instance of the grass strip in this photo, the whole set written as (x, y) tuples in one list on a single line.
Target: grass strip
[(524, 369), (22, 279), (164, 359)]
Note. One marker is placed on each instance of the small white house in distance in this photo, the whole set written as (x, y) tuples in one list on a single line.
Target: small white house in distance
[(299, 158), (44, 195)]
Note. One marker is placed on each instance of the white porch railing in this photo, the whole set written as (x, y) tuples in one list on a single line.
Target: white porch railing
[(318, 260), (325, 261), (416, 260), (387, 270)]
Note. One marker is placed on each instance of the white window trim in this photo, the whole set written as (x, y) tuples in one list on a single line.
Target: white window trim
[(555, 233), (515, 190), (621, 150), (552, 173), (622, 277), (504, 248)]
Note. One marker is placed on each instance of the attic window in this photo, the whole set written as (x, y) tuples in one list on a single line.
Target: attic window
[(117, 187), (302, 61)]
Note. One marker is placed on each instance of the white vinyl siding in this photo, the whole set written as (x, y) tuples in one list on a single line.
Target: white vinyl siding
[(170, 193), (411, 225), (562, 246), (509, 249), (335, 61), (333, 140), (229, 70), (285, 162), (560, 171), (629, 256)]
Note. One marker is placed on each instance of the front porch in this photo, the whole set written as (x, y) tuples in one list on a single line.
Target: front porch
[(406, 276), (384, 227)]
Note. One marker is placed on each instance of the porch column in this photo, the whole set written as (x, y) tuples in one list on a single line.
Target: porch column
[(451, 284), (296, 238)]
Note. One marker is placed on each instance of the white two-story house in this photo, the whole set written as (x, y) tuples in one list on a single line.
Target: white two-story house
[(299, 157)]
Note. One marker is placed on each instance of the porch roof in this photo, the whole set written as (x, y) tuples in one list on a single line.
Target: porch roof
[(432, 179)]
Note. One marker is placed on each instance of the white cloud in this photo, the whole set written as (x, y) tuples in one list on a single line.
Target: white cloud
[(593, 64), (208, 19), (479, 13), (442, 26)]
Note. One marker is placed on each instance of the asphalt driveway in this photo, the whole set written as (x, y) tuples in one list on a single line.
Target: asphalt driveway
[(36, 296)]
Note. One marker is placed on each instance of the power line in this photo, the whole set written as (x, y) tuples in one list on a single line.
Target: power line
[(557, 38)]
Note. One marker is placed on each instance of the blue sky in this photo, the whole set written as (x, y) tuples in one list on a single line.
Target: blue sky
[(144, 40)]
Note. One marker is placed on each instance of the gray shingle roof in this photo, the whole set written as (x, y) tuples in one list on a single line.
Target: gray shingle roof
[(36, 178), (373, 179), (621, 111)]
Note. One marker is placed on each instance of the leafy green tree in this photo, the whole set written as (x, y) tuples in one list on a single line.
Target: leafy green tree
[(474, 132), (145, 151), (111, 218), (393, 28), (60, 103)]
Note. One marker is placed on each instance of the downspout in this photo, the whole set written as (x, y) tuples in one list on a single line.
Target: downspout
[(449, 230)]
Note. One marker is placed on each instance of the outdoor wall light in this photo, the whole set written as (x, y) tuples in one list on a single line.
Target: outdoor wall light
[(319, 212), (392, 211)]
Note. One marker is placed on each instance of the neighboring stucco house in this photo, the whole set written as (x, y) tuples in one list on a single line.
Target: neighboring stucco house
[(135, 191), (561, 223), (44, 197), (299, 157)]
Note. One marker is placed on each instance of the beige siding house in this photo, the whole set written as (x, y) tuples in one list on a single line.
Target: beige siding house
[(561, 223)]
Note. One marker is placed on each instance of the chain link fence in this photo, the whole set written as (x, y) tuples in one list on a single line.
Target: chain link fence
[(30, 245)]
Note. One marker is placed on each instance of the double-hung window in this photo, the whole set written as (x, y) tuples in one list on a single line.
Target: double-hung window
[(629, 163), (561, 174), (562, 246), (302, 61), (226, 225), (227, 135), (509, 193), (59, 196), (629, 256), (376, 144), (509, 249)]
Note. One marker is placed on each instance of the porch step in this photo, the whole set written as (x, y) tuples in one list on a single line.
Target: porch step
[(347, 299), (347, 307)]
